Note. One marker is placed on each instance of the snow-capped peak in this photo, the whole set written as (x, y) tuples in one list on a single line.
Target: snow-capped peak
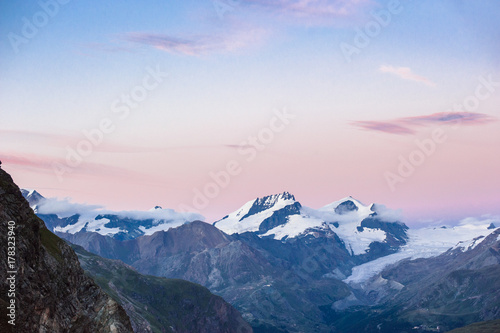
[(268, 202), (281, 217), (32, 196), (250, 216), (348, 204)]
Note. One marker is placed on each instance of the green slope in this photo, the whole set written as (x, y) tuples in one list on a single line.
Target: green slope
[(160, 304), (491, 326)]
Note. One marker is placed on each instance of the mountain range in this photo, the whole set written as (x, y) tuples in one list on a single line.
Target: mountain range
[(46, 287), (290, 268)]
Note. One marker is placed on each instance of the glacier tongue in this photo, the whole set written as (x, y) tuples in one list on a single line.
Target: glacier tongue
[(424, 243)]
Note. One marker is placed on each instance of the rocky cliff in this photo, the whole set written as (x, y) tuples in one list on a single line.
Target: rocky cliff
[(40, 274)]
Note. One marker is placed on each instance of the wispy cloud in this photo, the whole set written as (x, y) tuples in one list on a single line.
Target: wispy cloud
[(197, 44), (484, 220), (240, 31), (62, 140), (311, 8), (28, 162), (46, 165), (65, 207), (406, 73), (408, 125), (34, 135), (381, 126), (466, 118)]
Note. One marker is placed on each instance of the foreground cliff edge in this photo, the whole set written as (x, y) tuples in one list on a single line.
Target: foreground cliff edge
[(43, 288)]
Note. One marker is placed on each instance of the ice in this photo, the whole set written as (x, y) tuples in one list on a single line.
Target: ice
[(424, 243), (161, 227), (295, 226), (356, 241), (234, 224)]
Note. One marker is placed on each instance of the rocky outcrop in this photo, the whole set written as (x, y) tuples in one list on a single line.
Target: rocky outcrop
[(52, 293), (346, 207), (279, 217), (261, 204)]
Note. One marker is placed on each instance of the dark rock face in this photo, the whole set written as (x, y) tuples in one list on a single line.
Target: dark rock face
[(267, 202), (162, 305), (131, 226), (396, 231), (201, 253), (346, 207), (279, 217), (52, 292), (52, 220)]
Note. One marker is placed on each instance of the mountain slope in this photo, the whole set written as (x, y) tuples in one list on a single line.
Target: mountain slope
[(52, 293), (162, 305), (491, 326), (272, 284)]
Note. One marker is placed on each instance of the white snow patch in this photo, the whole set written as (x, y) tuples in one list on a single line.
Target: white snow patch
[(357, 242), (423, 243), (469, 244), (163, 219), (295, 226), (161, 227), (92, 226), (233, 224)]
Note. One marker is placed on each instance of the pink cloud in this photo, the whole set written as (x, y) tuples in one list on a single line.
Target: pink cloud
[(198, 44), (311, 8), (386, 127), (406, 73), (404, 126), (31, 162), (46, 165), (465, 118), (33, 135)]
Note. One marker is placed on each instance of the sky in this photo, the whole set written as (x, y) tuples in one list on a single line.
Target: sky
[(204, 105)]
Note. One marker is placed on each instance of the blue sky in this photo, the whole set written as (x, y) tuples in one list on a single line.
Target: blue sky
[(227, 72)]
